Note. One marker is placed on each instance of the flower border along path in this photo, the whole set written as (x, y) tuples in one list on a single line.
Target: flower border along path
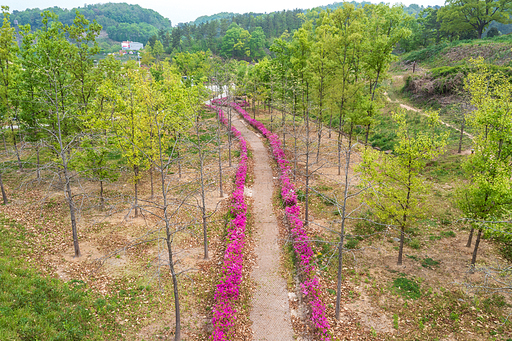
[(228, 290), (301, 242), (270, 307)]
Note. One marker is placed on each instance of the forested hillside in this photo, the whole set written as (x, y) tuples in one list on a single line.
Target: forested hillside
[(121, 21), (208, 32)]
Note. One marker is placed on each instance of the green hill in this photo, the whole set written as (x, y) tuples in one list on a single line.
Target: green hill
[(121, 21)]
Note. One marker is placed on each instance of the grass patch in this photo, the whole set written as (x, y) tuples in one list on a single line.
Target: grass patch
[(33, 307), (408, 288), (448, 234), (429, 263)]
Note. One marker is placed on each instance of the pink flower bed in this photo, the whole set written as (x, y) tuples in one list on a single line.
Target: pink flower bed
[(302, 245), (228, 290)]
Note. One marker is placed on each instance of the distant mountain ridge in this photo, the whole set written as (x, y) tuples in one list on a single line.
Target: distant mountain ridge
[(120, 20), (412, 9)]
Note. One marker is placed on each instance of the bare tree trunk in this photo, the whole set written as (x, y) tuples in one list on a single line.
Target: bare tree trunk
[(203, 210), (475, 250), (4, 196), (306, 208), (203, 199), (284, 130), (342, 231), (220, 157), (177, 312), (69, 197), (253, 109), (20, 165), (367, 135), (136, 172), (330, 124), (470, 239), (151, 179), (319, 133), (179, 158), (102, 200), (340, 133), (38, 170), (230, 137), (168, 239), (294, 142), (401, 248)]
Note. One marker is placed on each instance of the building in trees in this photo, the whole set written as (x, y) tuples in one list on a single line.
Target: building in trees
[(132, 45)]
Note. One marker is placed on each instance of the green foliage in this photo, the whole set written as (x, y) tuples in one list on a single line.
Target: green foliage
[(351, 243), (429, 263), (408, 288), (493, 32), (236, 42), (414, 243), (121, 21), (473, 15), (301, 195), (450, 234), (395, 321), (489, 194), (193, 67), (398, 187), (493, 303)]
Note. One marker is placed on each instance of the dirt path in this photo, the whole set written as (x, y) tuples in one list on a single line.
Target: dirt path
[(270, 313), (408, 107)]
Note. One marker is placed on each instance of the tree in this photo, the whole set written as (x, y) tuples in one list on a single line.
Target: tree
[(235, 43), (466, 15), (9, 69), (397, 184), (92, 161), (158, 50), (257, 43), (385, 30), (9, 79), (167, 105), (52, 88), (488, 195), (121, 113)]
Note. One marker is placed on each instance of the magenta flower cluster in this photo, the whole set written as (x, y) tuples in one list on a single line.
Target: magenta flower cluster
[(228, 290), (301, 242)]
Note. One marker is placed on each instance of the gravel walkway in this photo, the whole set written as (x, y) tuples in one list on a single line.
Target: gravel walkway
[(270, 314)]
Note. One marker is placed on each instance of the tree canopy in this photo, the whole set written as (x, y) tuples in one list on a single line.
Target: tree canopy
[(465, 15)]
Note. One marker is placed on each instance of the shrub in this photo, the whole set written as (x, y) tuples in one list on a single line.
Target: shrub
[(493, 32)]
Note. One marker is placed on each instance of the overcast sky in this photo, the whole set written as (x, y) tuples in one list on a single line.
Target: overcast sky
[(188, 10)]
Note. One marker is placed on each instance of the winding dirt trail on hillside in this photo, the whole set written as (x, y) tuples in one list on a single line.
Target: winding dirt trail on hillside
[(408, 107), (270, 315)]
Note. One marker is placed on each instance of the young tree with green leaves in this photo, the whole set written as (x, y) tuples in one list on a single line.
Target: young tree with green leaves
[(488, 194), (397, 185), (9, 71), (120, 112), (92, 161), (385, 29), (169, 106), (51, 88)]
